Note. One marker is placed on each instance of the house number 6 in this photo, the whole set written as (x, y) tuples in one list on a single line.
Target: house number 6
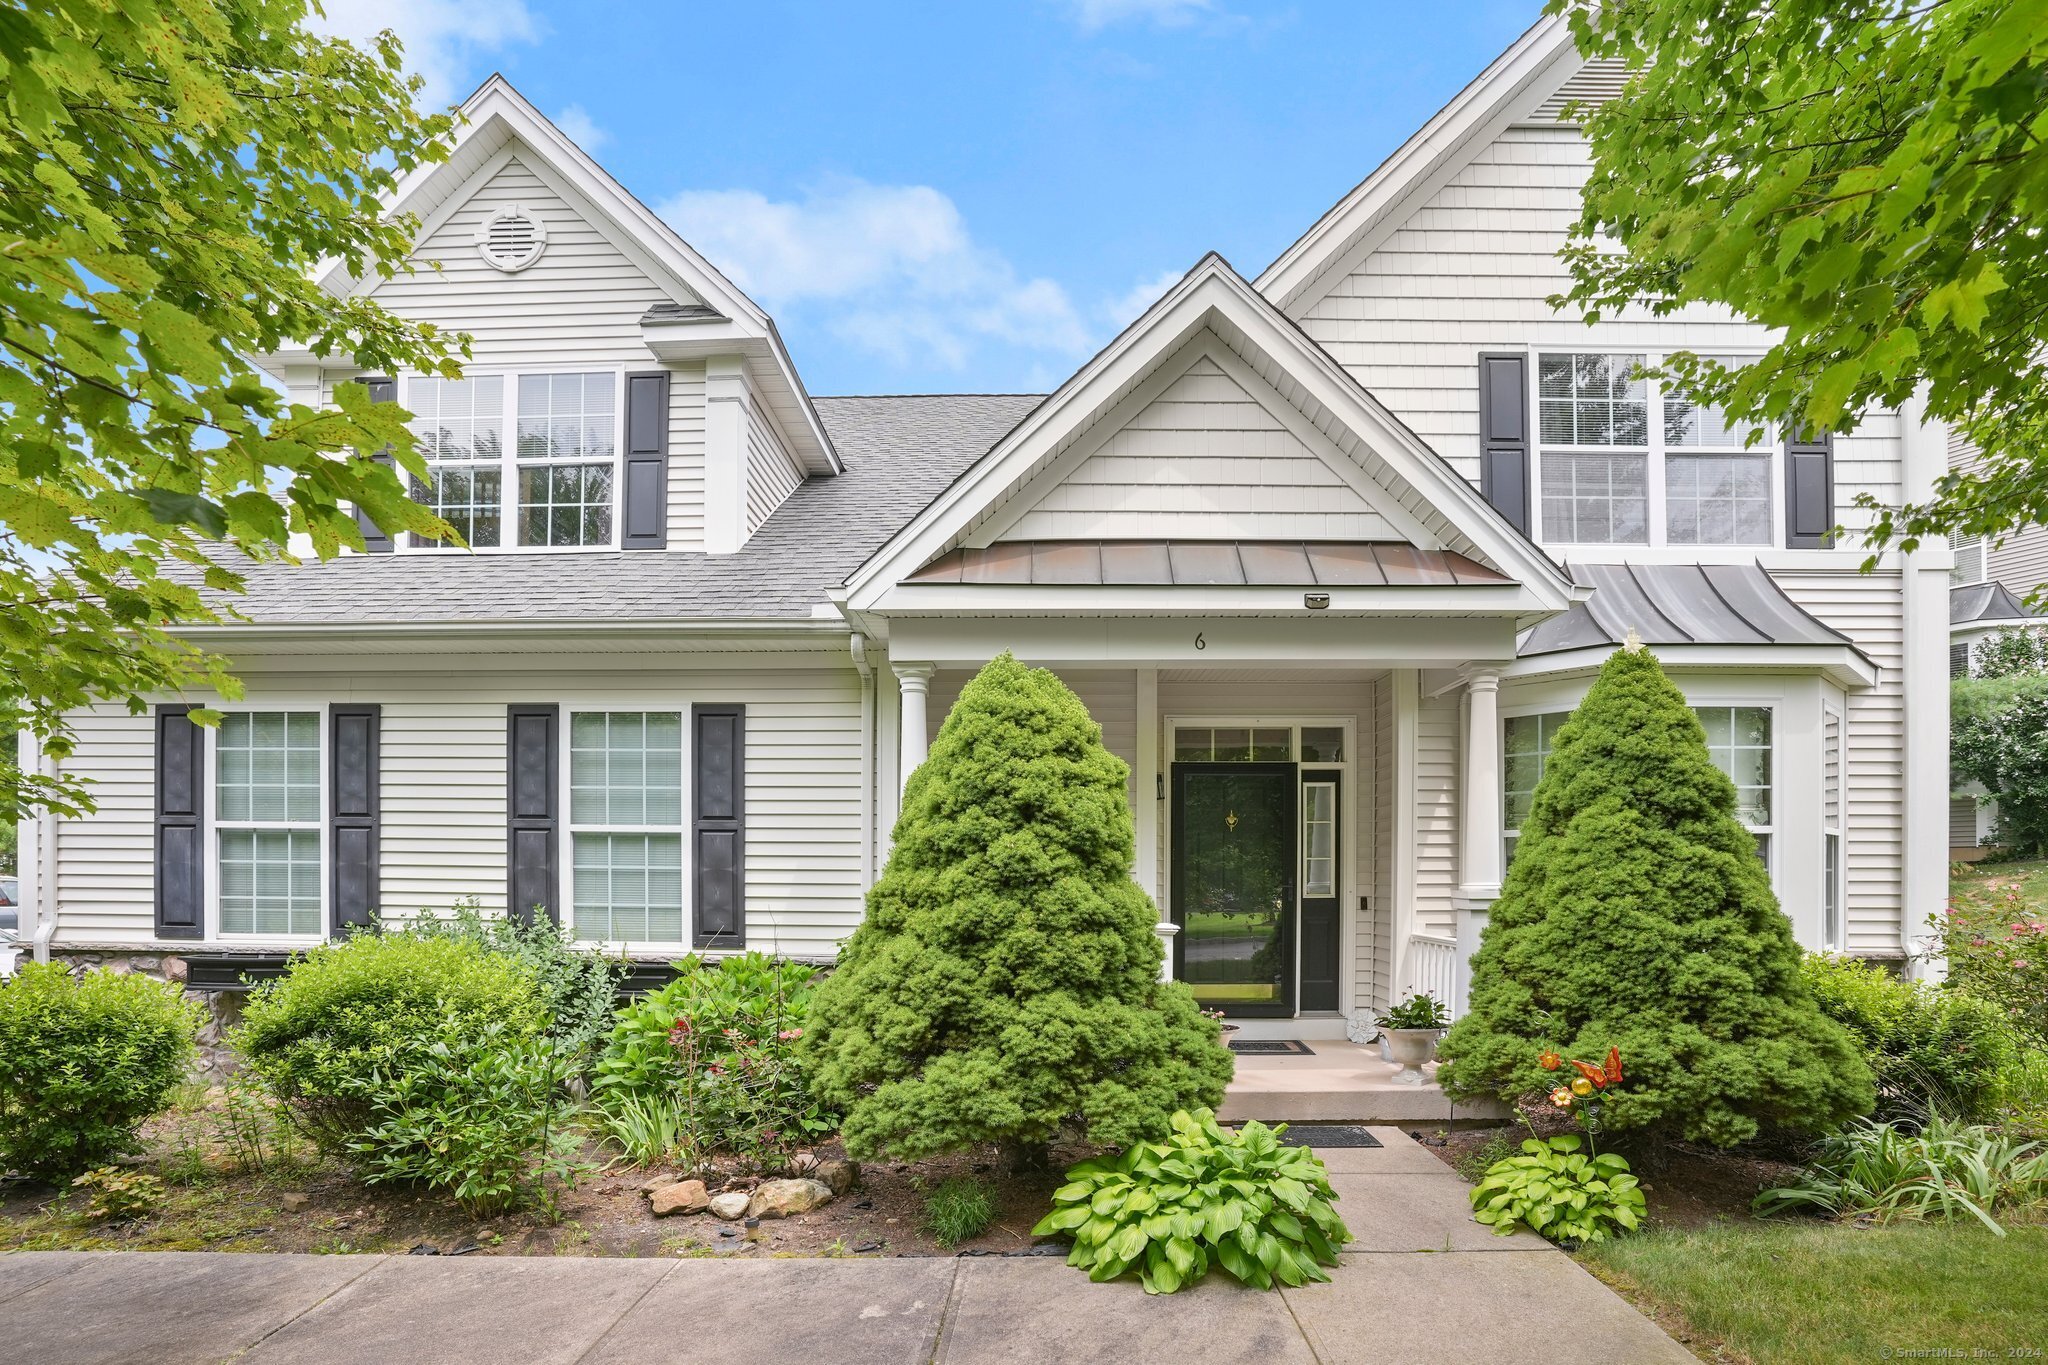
[(1200, 643)]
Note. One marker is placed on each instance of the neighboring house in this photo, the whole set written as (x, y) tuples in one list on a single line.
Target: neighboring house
[(1990, 584), (1329, 554)]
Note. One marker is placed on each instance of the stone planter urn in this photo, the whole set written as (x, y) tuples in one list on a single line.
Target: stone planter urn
[(1411, 1048)]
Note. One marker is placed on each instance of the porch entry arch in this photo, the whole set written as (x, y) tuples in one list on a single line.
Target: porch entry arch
[(1259, 863)]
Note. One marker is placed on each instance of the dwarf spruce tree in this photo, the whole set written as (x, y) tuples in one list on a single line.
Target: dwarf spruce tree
[(1005, 983), (1637, 915)]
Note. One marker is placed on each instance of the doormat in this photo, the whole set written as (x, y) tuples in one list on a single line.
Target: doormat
[(1327, 1135), (1292, 1047)]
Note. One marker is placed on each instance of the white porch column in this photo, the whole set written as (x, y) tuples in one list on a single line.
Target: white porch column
[(914, 681), (1923, 676), (1479, 824)]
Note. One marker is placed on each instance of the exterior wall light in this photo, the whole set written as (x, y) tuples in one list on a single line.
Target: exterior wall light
[(1316, 601)]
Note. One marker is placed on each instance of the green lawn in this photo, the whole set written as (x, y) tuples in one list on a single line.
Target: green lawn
[(1796, 1292), (1978, 881)]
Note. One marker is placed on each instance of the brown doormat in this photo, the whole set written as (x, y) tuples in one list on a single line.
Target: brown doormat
[(1292, 1047)]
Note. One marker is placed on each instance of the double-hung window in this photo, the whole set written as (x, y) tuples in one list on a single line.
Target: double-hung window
[(626, 826), (1623, 460), (267, 816), (554, 483), (1738, 740), (460, 427)]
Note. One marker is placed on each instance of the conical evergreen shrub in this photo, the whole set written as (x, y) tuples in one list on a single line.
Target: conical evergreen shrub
[(1637, 915), (1005, 982)]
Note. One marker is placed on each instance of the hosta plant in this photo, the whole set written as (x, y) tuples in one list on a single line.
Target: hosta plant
[(1205, 1196), (1559, 1191)]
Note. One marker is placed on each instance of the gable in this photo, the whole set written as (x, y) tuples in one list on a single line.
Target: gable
[(1206, 459), (582, 300)]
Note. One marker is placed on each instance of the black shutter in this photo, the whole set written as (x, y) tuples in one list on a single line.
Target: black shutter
[(352, 815), (374, 540), (1809, 492), (180, 824), (718, 843), (1504, 435), (532, 744), (643, 503)]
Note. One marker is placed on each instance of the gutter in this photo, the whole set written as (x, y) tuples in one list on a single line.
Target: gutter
[(46, 871), (858, 643), (698, 625)]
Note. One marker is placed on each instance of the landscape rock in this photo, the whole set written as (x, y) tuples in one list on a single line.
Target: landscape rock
[(838, 1176), (782, 1198), (292, 1203), (660, 1180), (731, 1206), (686, 1196)]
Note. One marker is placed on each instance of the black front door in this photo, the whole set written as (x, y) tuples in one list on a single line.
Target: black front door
[(1234, 862)]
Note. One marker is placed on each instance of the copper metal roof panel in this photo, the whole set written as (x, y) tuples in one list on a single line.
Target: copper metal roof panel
[(1007, 563), (1066, 561), (1345, 566), (1205, 561), (1136, 563), (1273, 564)]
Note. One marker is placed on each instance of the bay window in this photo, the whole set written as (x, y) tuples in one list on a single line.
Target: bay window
[(1623, 460), (1738, 740), (626, 826), (554, 484), (267, 816)]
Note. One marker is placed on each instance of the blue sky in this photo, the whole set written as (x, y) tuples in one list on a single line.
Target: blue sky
[(966, 196)]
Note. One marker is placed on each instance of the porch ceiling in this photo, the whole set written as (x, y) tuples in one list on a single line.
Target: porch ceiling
[(1247, 563)]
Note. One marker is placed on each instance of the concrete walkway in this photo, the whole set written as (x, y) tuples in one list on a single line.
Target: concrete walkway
[(1421, 1282)]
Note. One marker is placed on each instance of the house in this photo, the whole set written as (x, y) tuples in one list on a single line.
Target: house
[(1991, 585), (1328, 553)]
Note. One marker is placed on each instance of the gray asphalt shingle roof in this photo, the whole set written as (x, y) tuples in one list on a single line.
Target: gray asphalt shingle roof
[(900, 452)]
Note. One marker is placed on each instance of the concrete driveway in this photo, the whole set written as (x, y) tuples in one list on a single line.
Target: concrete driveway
[(1420, 1282)]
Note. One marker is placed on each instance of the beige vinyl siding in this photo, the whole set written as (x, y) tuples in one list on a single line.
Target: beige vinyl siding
[(1473, 268), (1204, 460), (579, 304), (105, 873), (771, 474), (443, 776), (1436, 814), (1869, 611), (686, 456), (2020, 559)]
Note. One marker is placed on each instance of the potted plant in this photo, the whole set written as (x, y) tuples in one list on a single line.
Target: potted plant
[(1410, 1030)]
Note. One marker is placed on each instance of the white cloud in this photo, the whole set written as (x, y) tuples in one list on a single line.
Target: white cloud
[(443, 38), (577, 125), (1140, 296), (1099, 14), (892, 268)]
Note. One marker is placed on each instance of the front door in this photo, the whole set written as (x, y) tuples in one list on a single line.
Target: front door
[(1235, 853)]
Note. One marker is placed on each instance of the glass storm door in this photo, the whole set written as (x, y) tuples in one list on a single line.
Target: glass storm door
[(1234, 860)]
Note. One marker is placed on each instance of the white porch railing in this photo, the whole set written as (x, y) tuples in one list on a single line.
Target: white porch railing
[(1433, 969)]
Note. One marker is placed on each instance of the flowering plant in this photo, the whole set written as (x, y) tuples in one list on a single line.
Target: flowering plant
[(1996, 947), (1553, 1188), (1585, 1095)]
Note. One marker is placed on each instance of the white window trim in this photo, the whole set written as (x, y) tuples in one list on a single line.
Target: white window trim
[(1959, 543), (1834, 873), (213, 933), (1655, 453), (565, 853), (508, 461)]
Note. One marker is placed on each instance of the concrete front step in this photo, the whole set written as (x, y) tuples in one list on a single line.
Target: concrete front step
[(1342, 1082)]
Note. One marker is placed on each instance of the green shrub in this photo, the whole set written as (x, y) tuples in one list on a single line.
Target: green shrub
[(83, 1061), (120, 1192), (1998, 728), (579, 987), (319, 1036), (1205, 1196), (1929, 1048), (713, 1055), (1996, 947), (1947, 1169), (1005, 982), (479, 1113), (1555, 1189), (959, 1210), (1636, 914)]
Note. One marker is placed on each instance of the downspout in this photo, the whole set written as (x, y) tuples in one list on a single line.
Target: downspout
[(868, 776), (46, 869)]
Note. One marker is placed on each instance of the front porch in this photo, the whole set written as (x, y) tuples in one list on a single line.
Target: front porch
[(1341, 1082)]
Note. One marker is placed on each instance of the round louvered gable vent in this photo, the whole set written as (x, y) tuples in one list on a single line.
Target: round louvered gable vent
[(511, 239)]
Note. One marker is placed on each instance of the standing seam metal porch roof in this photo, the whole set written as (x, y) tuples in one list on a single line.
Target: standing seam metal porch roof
[(1679, 604), (1210, 563), (1991, 601)]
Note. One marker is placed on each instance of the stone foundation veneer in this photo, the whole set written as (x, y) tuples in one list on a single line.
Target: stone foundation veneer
[(216, 1060)]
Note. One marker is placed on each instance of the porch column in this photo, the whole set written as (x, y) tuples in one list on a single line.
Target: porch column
[(914, 681), (1479, 825)]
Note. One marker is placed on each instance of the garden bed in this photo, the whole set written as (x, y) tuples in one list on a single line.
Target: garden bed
[(318, 1206)]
